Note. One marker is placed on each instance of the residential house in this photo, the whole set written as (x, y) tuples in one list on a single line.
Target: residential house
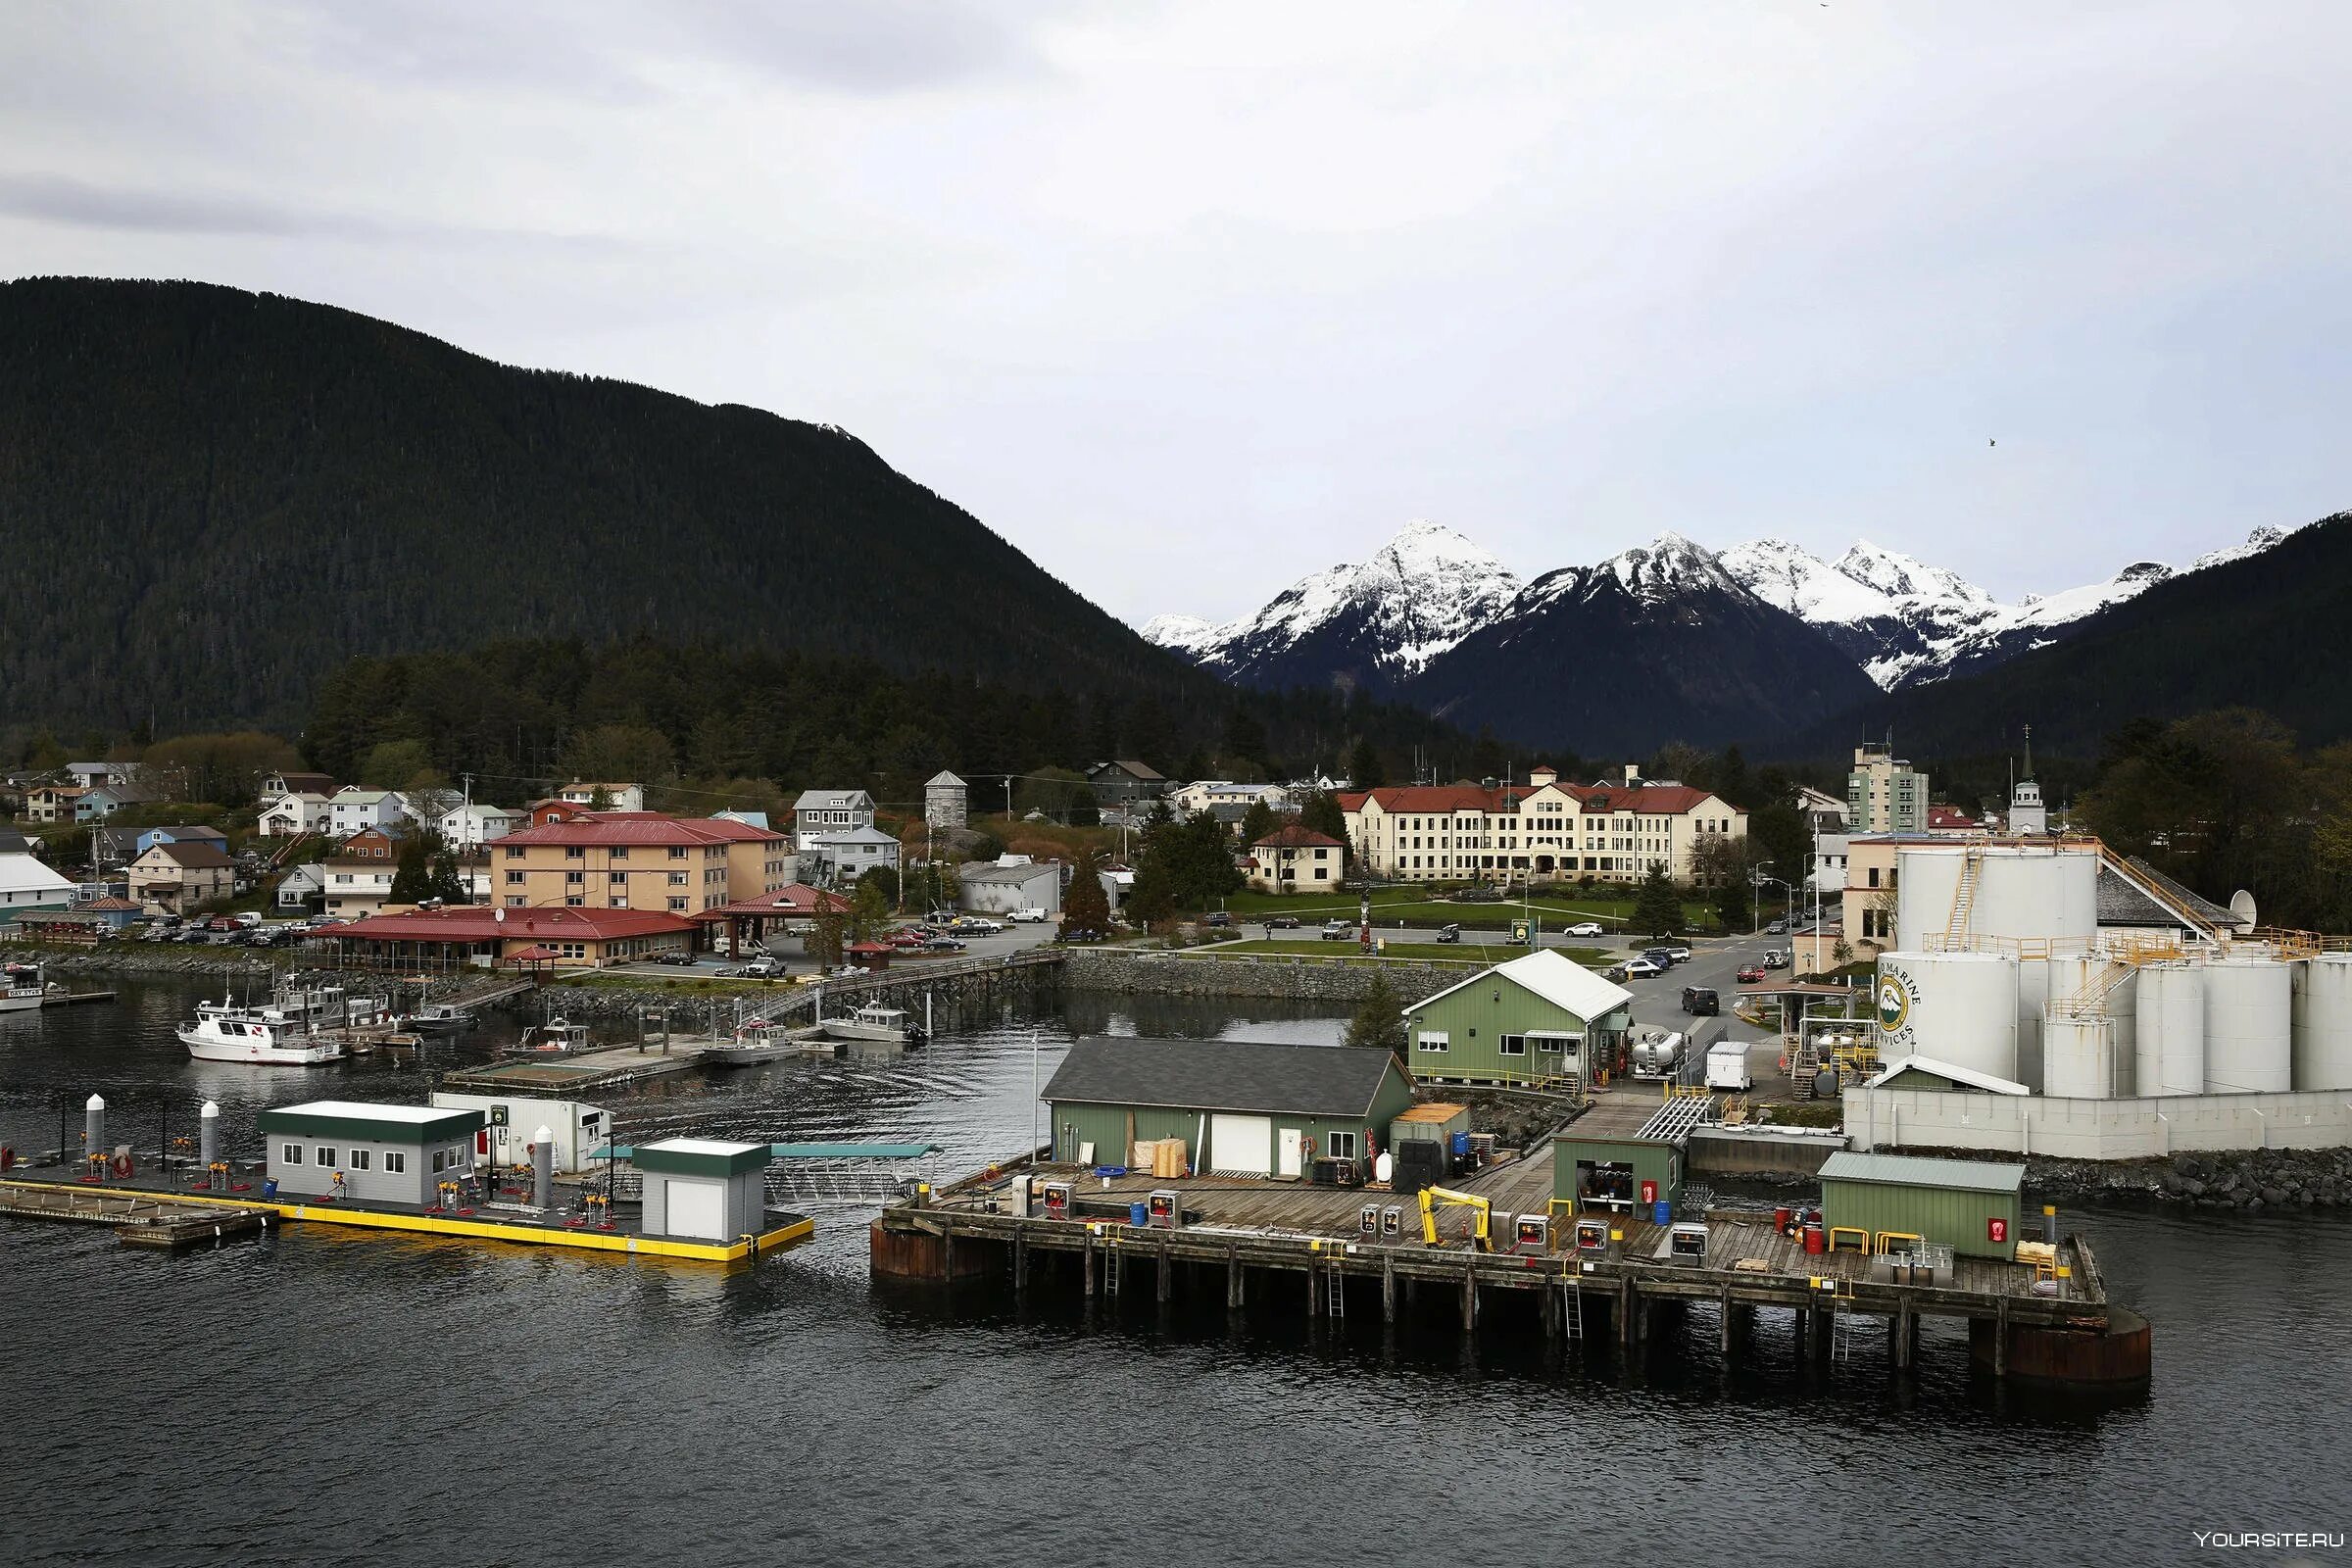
[(1207, 793), (845, 856), (106, 912), (639, 860), (1950, 820), (600, 796), (1541, 1019), (1115, 783), (1295, 859), (105, 800), (27, 886), (276, 784), (54, 803), (472, 824), (293, 815), (358, 870), (1829, 864), (177, 878), (825, 813), (1823, 811), (1007, 883), (149, 838), (555, 938), (303, 886), (355, 809), (93, 775), (1243, 1106), (758, 819), (1544, 829), (945, 800)]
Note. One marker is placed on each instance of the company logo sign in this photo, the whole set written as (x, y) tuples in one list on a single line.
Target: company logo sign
[(1895, 1002)]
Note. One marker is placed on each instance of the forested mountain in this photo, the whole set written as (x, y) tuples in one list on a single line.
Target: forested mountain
[(210, 499), (2271, 629)]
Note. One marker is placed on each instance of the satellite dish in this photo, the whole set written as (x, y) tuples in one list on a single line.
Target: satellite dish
[(2241, 904), (500, 916)]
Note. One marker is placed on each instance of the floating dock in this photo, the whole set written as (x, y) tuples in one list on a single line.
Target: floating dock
[(579, 1073), (68, 999), (140, 1219), (508, 1222), (1311, 1243)]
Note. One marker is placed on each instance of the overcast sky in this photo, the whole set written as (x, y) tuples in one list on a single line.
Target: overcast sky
[(1190, 299)]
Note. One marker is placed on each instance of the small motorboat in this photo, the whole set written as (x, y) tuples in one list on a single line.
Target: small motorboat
[(438, 1018), (558, 1036), (762, 1040), (885, 1025)]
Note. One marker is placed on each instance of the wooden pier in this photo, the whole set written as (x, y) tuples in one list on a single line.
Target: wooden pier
[(1310, 1245), (68, 999), (139, 1218), (582, 1073)]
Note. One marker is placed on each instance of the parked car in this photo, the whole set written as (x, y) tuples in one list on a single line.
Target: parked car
[(1281, 922), (1701, 1001), (1678, 951), (675, 956), (1615, 971), (907, 940), (1217, 920), (1750, 974), (1585, 928), (1777, 958), (1663, 957), (1450, 933), (978, 926), (1641, 969), (761, 970), (1027, 917), (1337, 931), (944, 945)]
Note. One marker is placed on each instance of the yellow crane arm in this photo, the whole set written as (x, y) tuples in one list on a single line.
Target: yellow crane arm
[(1480, 1208)]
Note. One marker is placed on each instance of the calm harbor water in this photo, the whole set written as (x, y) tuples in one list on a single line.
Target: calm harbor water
[(322, 1395)]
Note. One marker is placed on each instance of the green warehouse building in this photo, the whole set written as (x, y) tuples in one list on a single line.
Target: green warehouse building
[(1970, 1205), (1540, 1020), (1247, 1106)]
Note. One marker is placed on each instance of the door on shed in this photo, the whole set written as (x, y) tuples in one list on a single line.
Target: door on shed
[(1241, 1144), (1290, 1165), (698, 1208)]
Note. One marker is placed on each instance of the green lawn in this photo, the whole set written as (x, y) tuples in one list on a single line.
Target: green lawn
[(1472, 951)]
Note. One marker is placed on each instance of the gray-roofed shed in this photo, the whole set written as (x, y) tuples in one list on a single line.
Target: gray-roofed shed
[(1333, 1099)]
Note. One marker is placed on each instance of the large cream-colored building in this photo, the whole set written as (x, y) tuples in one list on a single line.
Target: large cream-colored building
[(1539, 830), (639, 860)]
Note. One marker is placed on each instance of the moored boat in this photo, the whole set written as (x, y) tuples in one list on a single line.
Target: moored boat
[(874, 1021), (20, 988), (255, 1036)]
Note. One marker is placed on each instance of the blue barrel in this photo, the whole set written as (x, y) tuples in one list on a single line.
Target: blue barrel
[(270, 1189), (1137, 1215), (1662, 1212), (1458, 1143)]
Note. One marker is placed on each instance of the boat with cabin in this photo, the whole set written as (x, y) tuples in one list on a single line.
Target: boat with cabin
[(266, 1036), (876, 1022), (439, 1018), (20, 988)]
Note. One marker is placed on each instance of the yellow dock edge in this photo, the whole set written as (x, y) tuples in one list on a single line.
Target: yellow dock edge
[(801, 1228)]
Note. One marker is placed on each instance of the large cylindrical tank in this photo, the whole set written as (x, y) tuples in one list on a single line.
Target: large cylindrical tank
[(2168, 1052), (2249, 1027), (2321, 1022), (1956, 1007), (2078, 1056), (2036, 895), (1925, 880)]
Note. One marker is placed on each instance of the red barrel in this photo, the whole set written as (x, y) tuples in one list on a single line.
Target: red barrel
[(1813, 1239), (1779, 1220)]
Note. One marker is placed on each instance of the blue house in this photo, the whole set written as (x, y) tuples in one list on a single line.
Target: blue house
[(152, 836)]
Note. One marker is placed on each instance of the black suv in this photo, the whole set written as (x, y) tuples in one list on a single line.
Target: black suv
[(1700, 1001)]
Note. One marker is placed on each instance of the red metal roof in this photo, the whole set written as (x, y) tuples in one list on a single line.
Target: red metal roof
[(643, 827), (477, 922), (1295, 837), (794, 897), (1439, 800)]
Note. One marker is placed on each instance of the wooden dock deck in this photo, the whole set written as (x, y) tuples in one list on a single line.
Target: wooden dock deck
[(1276, 1228), (586, 1072), (69, 998), (139, 1218)]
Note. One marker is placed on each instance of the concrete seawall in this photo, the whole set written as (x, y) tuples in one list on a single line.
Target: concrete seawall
[(1175, 975)]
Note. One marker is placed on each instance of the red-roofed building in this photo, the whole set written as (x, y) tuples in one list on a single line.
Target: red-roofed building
[(1295, 859), (479, 936), (1541, 830), (681, 866), (1951, 819)]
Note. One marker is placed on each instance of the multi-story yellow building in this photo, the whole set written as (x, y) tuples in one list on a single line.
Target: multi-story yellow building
[(1539, 830), (638, 860)]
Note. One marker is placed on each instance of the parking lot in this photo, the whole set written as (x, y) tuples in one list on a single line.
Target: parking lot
[(790, 952)]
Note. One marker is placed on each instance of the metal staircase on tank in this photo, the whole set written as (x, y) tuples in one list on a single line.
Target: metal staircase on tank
[(1964, 898)]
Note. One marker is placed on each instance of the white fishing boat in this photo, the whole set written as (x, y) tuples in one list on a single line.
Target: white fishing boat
[(762, 1040), (891, 1026), (439, 1018), (20, 988), (558, 1036), (258, 1035)]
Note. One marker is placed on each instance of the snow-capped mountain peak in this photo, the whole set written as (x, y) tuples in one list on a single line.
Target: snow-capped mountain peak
[(1804, 584), (1667, 565), (1184, 633), (2257, 542), (1900, 576)]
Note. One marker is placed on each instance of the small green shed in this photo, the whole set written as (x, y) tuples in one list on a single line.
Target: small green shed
[(1247, 1107), (1616, 1175), (1541, 1019), (1970, 1205)]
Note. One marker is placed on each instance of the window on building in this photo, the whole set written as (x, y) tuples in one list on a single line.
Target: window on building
[(1549, 1044), (395, 1162), (439, 1158), (574, 901), (516, 900), (326, 1156), (1874, 876), (1341, 1145), (1514, 1044), (1432, 1040), (515, 879), (575, 851), (289, 1155), (618, 852), (617, 878), (361, 1158)]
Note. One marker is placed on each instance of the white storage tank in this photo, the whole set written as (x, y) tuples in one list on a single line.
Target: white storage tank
[(2249, 1026), (2078, 1056), (2169, 1048), (1954, 1007), (2322, 1023), (1925, 880), (2037, 893)]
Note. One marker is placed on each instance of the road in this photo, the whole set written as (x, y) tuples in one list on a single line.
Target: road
[(1715, 961)]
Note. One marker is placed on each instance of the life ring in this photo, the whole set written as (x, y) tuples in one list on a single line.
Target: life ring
[(122, 1165)]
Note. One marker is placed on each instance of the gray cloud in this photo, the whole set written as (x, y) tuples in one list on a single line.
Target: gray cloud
[(83, 204)]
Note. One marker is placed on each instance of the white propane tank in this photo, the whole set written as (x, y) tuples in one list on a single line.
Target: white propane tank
[(2249, 1027), (2078, 1058), (2169, 1053)]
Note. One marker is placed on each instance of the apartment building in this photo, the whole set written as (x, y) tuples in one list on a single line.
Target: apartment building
[(1883, 793), (1539, 830), (639, 860)]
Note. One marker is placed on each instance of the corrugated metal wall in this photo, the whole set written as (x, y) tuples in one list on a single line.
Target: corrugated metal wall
[(1955, 1218), (1109, 1129), (1476, 1022), (1653, 1162)]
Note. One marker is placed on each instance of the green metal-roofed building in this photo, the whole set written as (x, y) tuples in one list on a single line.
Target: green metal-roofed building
[(1616, 1175), (1241, 1105), (704, 1189), (1973, 1206), (350, 1149), (1541, 1018)]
